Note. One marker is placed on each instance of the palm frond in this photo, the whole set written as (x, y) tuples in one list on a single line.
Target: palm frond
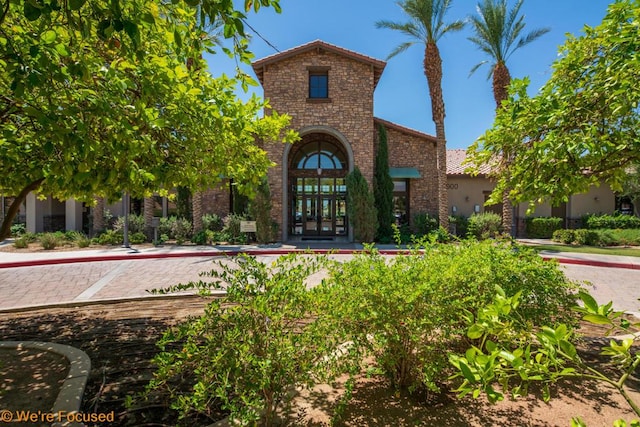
[(399, 49), (475, 67)]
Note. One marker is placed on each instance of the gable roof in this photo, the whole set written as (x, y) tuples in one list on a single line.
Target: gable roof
[(319, 45), (405, 129), (455, 159)]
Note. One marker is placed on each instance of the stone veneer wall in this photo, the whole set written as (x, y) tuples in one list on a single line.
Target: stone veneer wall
[(408, 150), (349, 111), (216, 200)]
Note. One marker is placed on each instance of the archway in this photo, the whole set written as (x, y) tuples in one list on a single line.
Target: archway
[(316, 199)]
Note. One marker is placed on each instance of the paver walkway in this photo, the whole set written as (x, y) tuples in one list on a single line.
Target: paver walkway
[(131, 278)]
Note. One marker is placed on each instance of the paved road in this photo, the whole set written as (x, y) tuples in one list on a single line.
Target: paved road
[(79, 282)]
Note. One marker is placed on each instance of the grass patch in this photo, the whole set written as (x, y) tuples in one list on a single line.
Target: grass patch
[(588, 250)]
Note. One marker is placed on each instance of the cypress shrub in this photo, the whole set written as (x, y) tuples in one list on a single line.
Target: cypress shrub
[(383, 189), (361, 209)]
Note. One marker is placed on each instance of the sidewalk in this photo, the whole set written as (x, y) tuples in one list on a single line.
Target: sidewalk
[(33, 279)]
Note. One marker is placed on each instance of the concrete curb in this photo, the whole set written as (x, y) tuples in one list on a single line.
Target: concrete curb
[(70, 397)]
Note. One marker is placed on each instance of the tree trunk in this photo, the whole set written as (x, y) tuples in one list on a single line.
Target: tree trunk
[(148, 217), (197, 212), (433, 71), (501, 81), (5, 229), (98, 216)]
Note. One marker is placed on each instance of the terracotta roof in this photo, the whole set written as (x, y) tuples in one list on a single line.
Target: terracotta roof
[(455, 159), (405, 129), (378, 65)]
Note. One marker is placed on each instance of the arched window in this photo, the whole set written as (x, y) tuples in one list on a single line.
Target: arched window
[(319, 154)]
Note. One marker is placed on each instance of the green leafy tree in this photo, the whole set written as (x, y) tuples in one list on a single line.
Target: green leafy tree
[(427, 26), (82, 116), (361, 208), (383, 189), (498, 34), (583, 126)]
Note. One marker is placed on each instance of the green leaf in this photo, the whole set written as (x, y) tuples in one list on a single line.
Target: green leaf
[(466, 372), (568, 349), (475, 332), (597, 319), (49, 36), (31, 12), (589, 302), (76, 4)]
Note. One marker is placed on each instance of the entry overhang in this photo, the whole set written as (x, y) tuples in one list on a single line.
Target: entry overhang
[(403, 173)]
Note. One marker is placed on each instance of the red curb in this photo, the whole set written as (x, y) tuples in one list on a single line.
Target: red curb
[(101, 258), (591, 263)]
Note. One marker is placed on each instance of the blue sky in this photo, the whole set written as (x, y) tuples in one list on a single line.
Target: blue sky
[(402, 93)]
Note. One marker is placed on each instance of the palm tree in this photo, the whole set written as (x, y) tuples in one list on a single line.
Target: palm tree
[(426, 26), (497, 33)]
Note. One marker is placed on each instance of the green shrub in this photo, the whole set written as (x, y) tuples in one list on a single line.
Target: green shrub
[(586, 237), (29, 237), (181, 229), (408, 311), (109, 238), (49, 241), (361, 209), (564, 236), (231, 231), (424, 223), (484, 226), (592, 222), (18, 229), (21, 243), (260, 210), (252, 347), (83, 242), (202, 237), (541, 227), (136, 224), (212, 222), (137, 238), (628, 237), (462, 224), (166, 226)]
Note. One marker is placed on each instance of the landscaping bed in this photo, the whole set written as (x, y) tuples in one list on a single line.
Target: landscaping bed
[(120, 340)]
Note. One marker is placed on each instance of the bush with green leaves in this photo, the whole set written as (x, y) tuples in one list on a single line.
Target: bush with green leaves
[(361, 210), (49, 241), (231, 230), (181, 230), (409, 311), (484, 226), (610, 221), (18, 229), (424, 223), (251, 347), (21, 243), (109, 238), (212, 222), (542, 227), (137, 238), (136, 224), (565, 236), (510, 353), (462, 224), (260, 210)]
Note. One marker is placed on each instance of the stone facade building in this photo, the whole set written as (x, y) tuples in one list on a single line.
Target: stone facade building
[(328, 91)]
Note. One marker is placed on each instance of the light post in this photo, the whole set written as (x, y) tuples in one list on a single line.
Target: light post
[(126, 205)]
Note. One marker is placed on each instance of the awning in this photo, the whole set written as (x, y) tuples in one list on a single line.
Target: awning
[(398, 173)]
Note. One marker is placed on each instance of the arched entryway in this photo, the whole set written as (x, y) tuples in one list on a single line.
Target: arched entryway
[(317, 191)]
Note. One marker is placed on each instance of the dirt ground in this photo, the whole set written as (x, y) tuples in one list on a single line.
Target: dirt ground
[(120, 339)]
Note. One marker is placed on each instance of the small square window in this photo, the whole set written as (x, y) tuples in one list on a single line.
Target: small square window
[(318, 84)]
